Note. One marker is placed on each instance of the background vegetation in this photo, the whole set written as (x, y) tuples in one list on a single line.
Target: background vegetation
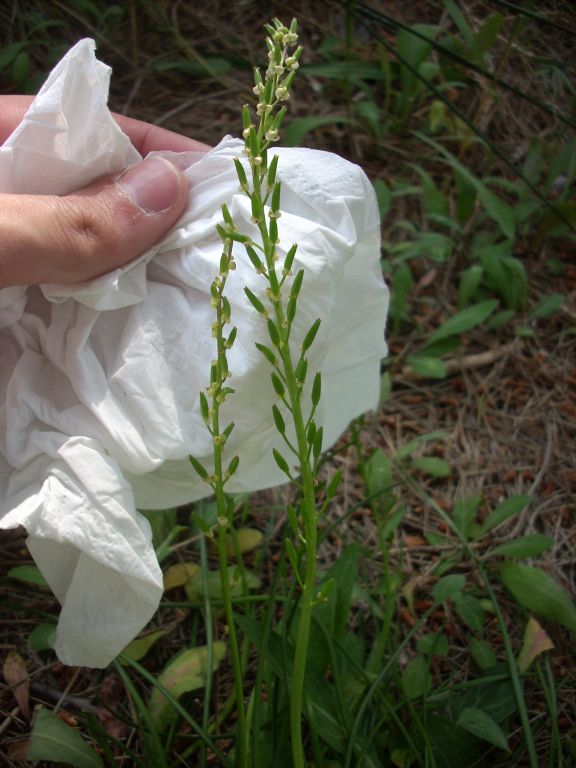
[(448, 637)]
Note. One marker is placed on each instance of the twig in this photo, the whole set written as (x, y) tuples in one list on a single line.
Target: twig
[(466, 362)]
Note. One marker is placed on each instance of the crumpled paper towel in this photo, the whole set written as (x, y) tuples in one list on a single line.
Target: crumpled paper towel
[(99, 382)]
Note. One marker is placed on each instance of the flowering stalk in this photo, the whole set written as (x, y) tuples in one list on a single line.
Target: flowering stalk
[(301, 436), (210, 402), (289, 373)]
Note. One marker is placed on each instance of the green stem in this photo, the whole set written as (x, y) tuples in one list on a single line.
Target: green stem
[(241, 732), (224, 522), (308, 510), (308, 504)]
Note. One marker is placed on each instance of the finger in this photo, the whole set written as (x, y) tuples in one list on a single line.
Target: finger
[(151, 138), (49, 239), (145, 137), (12, 110)]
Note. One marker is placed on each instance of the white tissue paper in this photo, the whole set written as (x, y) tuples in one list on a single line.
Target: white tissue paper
[(99, 382)]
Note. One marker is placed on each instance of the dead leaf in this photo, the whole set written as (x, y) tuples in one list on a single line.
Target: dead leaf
[(139, 647), (246, 539), (179, 574), (16, 676), (18, 750), (186, 672), (111, 691), (536, 641)]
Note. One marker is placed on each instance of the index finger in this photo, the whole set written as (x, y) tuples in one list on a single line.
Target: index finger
[(144, 136)]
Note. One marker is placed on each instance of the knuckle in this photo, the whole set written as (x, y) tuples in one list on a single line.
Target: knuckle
[(89, 235)]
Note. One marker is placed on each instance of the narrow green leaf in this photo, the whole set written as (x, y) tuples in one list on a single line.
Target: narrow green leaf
[(271, 175), (296, 130), (241, 173), (275, 201), (254, 259), (470, 610), (480, 724), (428, 367), (461, 23), (317, 447), (435, 201), (267, 352), (297, 284), (281, 462), (293, 558), (537, 591), (464, 320), (28, 573), (487, 35), (547, 306), (255, 301), (202, 524), (311, 433), (311, 335), (482, 653), (525, 546), (291, 309), (506, 509), (246, 118), (289, 260), (433, 644), (278, 419), (273, 333), (448, 587), (226, 215), (469, 282), (416, 680), (204, 409), (57, 742), (333, 484), (383, 196), (42, 637), (139, 647), (301, 370), (200, 470), (277, 384), (233, 466), (433, 466), (464, 513), (316, 389)]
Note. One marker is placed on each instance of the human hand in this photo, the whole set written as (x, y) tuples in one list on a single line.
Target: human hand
[(76, 237)]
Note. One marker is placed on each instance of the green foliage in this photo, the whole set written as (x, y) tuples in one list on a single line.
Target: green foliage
[(187, 672), (53, 740), (539, 592)]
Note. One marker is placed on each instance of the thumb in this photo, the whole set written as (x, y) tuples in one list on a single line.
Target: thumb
[(69, 239)]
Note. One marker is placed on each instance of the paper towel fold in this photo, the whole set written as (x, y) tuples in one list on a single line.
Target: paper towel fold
[(99, 382)]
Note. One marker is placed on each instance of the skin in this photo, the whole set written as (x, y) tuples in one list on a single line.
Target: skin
[(76, 237), (145, 137)]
